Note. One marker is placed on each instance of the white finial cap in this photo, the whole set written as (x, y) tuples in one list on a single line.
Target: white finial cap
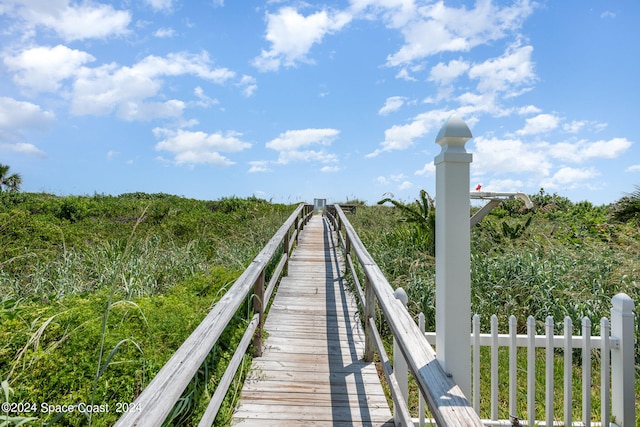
[(453, 135)]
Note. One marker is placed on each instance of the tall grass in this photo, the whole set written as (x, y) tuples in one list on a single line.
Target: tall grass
[(96, 293), (144, 266), (562, 259)]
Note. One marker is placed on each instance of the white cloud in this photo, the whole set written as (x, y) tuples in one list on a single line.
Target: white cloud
[(511, 73), (89, 21), (583, 150), (143, 111), (204, 100), (160, 5), (398, 180), (191, 148), (429, 169), (404, 75), (434, 28), (292, 36), (393, 103), (329, 169), (575, 126), (633, 168), (127, 90), (446, 73), (500, 156), (289, 145), (401, 137), (405, 185), (43, 68), (472, 104), (70, 21), (320, 156), (18, 115), (165, 33), (541, 123), (528, 109), (259, 166), (207, 157), (248, 85), (133, 92), (22, 147), (395, 12), (504, 185), (570, 178), (295, 139)]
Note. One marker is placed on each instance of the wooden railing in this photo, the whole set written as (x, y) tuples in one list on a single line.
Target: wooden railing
[(446, 401), (158, 399)]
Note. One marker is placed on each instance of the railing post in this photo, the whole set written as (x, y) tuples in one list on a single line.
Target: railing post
[(286, 247), (421, 402), (400, 368), (369, 312), (622, 361), (453, 279), (347, 249), (258, 307)]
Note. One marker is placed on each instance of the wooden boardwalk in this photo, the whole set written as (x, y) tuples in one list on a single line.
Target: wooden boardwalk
[(311, 372)]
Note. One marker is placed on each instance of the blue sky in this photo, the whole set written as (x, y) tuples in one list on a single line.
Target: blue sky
[(291, 100)]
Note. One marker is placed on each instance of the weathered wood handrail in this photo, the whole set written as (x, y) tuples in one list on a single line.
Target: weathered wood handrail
[(445, 399), (158, 399)]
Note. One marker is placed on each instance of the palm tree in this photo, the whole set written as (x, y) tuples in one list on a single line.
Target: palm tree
[(9, 182), (421, 213), (628, 207)]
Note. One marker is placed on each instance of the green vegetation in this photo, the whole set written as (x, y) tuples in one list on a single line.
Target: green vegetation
[(9, 182), (97, 292), (559, 259), (422, 215)]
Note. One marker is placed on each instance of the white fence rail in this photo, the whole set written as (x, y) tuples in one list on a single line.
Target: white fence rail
[(612, 349)]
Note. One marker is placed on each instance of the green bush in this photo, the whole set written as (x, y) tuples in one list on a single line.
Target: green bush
[(97, 292)]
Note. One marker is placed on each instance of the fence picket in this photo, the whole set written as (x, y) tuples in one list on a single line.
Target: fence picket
[(476, 363), (531, 370), (586, 371), (494, 368), (605, 369), (513, 366), (568, 371), (604, 342), (549, 371)]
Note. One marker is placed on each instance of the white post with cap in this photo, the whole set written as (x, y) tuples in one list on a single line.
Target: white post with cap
[(453, 277), (400, 368), (623, 375)]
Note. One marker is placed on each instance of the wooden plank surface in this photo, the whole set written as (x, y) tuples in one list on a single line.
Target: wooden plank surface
[(311, 372)]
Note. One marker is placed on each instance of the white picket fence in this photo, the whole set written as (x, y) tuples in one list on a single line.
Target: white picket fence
[(613, 350)]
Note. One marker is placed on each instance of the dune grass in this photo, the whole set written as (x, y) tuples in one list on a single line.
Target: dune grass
[(96, 293), (561, 259)]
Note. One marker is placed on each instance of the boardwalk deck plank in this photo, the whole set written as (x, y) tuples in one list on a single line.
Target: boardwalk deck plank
[(312, 371)]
